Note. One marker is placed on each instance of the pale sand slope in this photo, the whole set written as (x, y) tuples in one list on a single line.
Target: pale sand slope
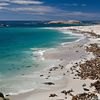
[(63, 77)]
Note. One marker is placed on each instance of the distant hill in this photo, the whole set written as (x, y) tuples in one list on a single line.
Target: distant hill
[(65, 22)]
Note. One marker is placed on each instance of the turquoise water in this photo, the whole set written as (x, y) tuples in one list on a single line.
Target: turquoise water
[(17, 52), (15, 44)]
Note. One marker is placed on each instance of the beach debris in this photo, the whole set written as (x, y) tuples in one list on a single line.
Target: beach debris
[(49, 83), (84, 85), (85, 89), (64, 74), (46, 78), (85, 96), (77, 51), (53, 95), (67, 92), (49, 76), (41, 75), (61, 66), (96, 85), (53, 68)]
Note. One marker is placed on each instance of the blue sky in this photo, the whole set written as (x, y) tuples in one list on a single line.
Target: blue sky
[(49, 9)]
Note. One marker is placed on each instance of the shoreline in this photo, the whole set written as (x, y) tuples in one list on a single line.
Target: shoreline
[(60, 71), (39, 56)]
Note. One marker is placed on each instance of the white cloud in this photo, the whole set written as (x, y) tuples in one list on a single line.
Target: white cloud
[(48, 10), (33, 9), (1, 8), (75, 4), (41, 10), (83, 5), (25, 2), (4, 4)]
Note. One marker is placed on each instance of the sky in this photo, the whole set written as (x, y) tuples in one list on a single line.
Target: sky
[(49, 9)]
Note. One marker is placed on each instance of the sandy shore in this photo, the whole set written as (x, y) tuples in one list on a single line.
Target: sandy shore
[(61, 75)]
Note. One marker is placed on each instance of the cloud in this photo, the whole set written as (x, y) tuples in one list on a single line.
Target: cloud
[(22, 2), (25, 2), (38, 8), (4, 4), (75, 5), (1, 8), (83, 5), (8, 4), (49, 11), (32, 9)]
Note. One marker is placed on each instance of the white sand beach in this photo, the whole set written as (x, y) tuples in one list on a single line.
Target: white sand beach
[(61, 75)]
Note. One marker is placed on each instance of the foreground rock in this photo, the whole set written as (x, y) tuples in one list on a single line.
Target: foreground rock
[(2, 97)]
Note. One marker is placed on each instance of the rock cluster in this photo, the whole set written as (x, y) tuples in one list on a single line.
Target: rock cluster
[(85, 96), (91, 68), (94, 48)]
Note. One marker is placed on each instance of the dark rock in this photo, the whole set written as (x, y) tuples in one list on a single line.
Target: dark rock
[(84, 85), (1, 95), (49, 83), (28, 66), (67, 92), (53, 95), (41, 75), (85, 89)]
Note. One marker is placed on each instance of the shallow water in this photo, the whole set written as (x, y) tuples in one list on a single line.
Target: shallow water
[(19, 51)]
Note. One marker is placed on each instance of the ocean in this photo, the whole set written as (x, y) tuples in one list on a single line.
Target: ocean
[(21, 46)]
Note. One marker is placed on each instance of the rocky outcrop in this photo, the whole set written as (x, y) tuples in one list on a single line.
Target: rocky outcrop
[(65, 22), (85, 96)]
